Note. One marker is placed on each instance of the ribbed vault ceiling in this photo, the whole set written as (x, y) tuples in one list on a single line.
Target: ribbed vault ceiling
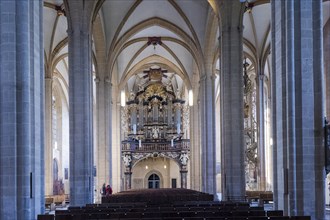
[(181, 24)]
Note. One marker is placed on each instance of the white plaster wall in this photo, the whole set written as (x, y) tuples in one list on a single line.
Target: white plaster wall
[(175, 174), (143, 169)]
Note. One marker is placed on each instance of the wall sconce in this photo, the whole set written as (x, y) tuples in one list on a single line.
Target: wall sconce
[(122, 99), (190, 98)]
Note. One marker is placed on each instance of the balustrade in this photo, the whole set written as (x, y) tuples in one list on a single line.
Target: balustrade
[(134, 146)]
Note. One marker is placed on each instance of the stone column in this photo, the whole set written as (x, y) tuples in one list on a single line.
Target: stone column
[(231, 101), (261, 132), (128, 180), (195, 149), (183, 174), (108, 149), (177, 117), (21, 110), (326, 49), (102, 131), (297, 83), (80, 101), (48, 137), (208, 134)]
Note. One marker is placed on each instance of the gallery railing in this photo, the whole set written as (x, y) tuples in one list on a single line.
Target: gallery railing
[(135, 146)]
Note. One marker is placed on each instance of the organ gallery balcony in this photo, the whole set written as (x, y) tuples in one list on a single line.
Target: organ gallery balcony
[(136, 146)]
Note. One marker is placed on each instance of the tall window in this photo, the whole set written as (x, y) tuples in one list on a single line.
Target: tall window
[(54, 123), (250, 126)]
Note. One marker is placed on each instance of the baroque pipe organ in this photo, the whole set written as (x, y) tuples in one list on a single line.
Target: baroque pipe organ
[(154, 115), (154, 122)]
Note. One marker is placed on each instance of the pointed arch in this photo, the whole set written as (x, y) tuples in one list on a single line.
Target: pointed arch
[(160, 61)]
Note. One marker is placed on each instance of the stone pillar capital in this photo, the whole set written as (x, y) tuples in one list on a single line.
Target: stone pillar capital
[(49, 79), (97, 79), (213, 77), (69, 31), (107, 80), (177, 106), (132, 106), (230, 29), (202, 78), (82, 31)]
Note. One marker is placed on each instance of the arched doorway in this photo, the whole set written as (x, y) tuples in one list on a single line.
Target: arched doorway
[(153, 181)]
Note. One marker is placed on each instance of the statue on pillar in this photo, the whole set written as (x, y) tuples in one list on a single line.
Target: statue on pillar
[(132, 96), (127, 160), (128, 180), (184, 159)]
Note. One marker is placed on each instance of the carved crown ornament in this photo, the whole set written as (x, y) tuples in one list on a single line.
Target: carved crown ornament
[(154, 41)]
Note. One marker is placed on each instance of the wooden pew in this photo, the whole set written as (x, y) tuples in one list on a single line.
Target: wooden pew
[(48, 202), (272, 213), (57, 199), (300, 218), (266, 196), (46, 217), (260, 196)]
